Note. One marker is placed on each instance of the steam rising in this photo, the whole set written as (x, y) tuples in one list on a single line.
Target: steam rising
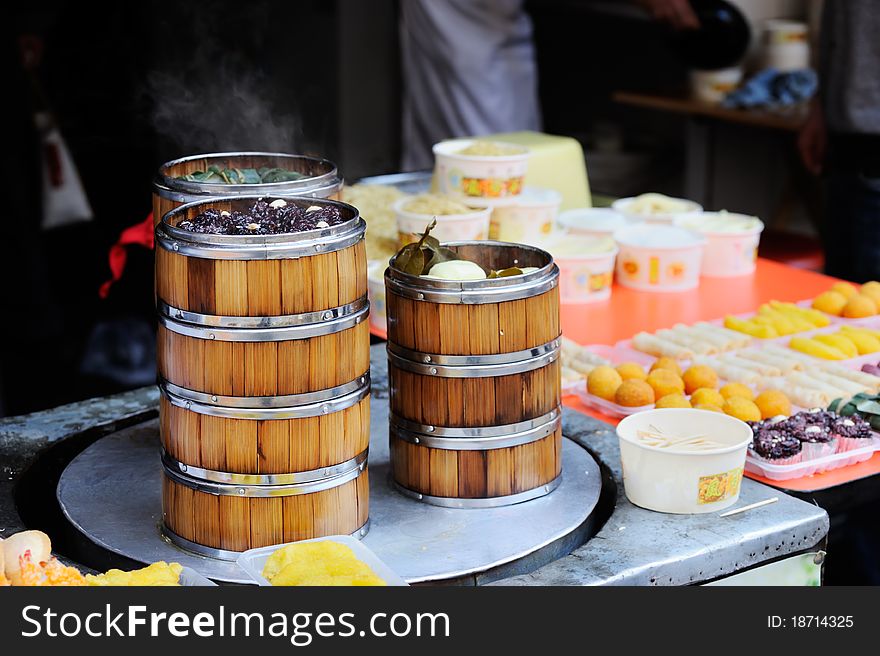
[(210, 99)]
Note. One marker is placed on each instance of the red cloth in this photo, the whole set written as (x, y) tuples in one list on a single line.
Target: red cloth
[(141, 234)]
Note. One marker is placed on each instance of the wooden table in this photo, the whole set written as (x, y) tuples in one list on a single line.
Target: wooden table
[(791, 120), (628, 312)]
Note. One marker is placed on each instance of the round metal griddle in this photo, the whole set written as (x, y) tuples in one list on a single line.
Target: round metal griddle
[(111, 493)]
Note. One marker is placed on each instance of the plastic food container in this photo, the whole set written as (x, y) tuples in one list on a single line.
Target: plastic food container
[(786, 45), (629, 207), (593, 221), (376, 294), (472, 226), (713, 86), (659, 258), (583, 277), (191, 578), (809, 467), (529, 219), (253, 561), (730, 250), (489, 177), (683, 482)]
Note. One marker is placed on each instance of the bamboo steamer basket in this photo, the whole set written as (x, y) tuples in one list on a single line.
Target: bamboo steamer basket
[(221, 520), (261, 316), (322, 181), (474, 380), (263, 358)]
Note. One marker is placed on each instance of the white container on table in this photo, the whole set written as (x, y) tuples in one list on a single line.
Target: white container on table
[(786, 45), (488, 177), (376, 294), (529, 219), (629, 207), (659, 258), (731, 242), (584, 276), (593, 221), (712, 87), (253, 561), (680, 482), (467, 226)]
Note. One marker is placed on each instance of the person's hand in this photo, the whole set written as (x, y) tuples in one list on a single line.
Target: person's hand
[(813, 139), (678, 13)]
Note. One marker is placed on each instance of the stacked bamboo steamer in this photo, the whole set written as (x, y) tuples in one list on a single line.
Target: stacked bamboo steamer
[(263, 358), (475, 381), (321, 179)]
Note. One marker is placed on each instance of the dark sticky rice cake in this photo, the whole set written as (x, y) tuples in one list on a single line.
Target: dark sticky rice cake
[(851, 433), (777, 447)]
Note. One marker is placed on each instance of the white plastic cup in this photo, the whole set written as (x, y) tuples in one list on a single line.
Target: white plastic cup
[(664, 480), (727, 254), (529, 219), (625, 207), (585, 278), (786, 45), (376, 294), (659, 258), (468, 226), (489, 177), (713, 86), (593, 221)]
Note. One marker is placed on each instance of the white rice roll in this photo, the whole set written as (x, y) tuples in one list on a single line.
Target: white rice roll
[(758, 367), (784, 364), (659, 347), (802, 396)]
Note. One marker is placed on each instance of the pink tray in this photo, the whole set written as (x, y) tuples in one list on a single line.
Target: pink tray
[(810, 467)]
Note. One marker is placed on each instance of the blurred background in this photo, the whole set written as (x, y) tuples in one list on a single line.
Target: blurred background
[(100, 94)]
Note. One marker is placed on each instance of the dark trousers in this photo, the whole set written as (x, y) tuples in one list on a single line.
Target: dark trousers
[(852, 223)]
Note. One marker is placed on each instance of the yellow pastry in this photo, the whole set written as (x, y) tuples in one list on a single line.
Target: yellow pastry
[(847, 289), (665, 381), (629, 370), (731, 390), (603, 382), (318, 563), (840, 342), (872, 289), (816, 349), (742, 409), (772, 403), (860, 306), (699, 375), (707, 396), (667, 363), (673, 401), (830, 302), (634, 393)]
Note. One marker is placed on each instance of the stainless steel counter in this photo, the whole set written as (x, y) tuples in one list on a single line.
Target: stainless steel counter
[(634, 547)]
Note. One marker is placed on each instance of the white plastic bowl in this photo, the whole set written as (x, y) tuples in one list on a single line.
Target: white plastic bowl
[(469, 226), (683, 482), (528, 219), (727, 253), (659, 258), (593, 221), (376, 294), (625, 207), (489, 177)]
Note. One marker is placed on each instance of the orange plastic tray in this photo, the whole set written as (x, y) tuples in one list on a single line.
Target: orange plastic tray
[(628, 312)]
